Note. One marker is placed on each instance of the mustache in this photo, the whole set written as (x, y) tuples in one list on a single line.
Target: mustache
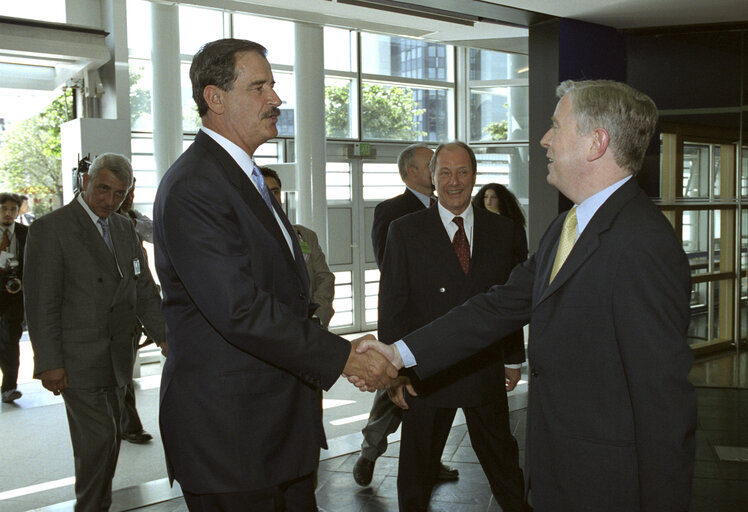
[(274, 111)]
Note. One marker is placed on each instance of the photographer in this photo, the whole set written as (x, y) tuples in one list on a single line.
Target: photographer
[(12, 244)]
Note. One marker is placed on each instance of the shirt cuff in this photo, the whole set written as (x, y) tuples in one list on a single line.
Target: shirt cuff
[(513, 366), (406, 355)]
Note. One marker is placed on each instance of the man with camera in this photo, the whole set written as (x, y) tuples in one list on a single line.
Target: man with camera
[(12, 243)]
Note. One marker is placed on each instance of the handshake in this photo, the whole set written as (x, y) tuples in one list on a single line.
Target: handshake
[(371, 364)]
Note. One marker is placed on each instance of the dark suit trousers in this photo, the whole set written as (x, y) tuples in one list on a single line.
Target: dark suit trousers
[(94, 418), (384, 419), (11, 329), (424, 434), (294, 496), (130, 421)]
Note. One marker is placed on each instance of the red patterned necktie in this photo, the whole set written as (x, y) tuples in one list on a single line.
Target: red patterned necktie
[(431, 201), (461, 245)]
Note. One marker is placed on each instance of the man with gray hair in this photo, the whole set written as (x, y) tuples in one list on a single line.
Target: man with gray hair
[(87, 285), (611, 415)]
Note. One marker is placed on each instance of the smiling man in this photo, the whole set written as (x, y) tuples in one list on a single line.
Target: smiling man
[(436, 259), (240, 415), (87, 285), (611, 415)]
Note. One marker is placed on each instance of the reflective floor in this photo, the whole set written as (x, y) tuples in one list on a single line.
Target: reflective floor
[(37, 470)]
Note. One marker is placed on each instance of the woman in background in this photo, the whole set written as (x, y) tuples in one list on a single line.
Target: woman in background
[(498, 199)]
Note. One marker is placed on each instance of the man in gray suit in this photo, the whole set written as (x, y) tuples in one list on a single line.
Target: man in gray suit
[(86, 285)]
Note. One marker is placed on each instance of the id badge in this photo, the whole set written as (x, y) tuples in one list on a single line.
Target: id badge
[(136, 266)]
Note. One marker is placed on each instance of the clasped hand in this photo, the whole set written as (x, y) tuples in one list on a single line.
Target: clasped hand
[(372, 365)]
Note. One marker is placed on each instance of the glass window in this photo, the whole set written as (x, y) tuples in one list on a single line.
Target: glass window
[(340, 49), (340, 108), (286, 90), (275, 35), (138, 27), (492, 65), (338, 178), (371, 295), (696, 167), (42, 10), (381, 181), (190, 118), (343, 301), (400, 112), (400, 57), (198, 26), (141, 78), (499, 114)]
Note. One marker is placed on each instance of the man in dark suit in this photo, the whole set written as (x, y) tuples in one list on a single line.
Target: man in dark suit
[(240, 416), (86, 285), (384, 418), (435, 260), (611, 416), (413, 165), (12, 242)]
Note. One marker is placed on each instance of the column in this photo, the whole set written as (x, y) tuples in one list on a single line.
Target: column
[(309, 123), (166, 92)]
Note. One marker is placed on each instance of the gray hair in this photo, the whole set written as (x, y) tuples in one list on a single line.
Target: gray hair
[(118, 165), (406, 158), (629, 116)]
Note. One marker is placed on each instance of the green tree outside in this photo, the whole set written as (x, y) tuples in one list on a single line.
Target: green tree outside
[(387, 112), (30, 156)]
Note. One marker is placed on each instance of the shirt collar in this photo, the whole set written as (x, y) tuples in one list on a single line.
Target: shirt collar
[(447, 216), (426, 200), (589, 206), (238, 154), (10, 229), (94, 217)]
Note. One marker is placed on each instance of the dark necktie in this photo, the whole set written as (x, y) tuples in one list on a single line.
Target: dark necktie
[(105, 233), (259, 182), (461, 245)]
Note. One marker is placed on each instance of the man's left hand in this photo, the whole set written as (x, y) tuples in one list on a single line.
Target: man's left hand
[(512, 376)]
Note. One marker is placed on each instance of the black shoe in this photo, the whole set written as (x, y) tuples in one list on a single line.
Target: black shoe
[(447, 474), (11, 395), (363, 470), (138, 437)]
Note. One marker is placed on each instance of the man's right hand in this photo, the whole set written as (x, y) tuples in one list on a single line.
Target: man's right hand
[(395, 391), (368, 371), (55, 380)]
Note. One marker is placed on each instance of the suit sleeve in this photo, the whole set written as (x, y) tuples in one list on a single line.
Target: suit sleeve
[(43, 276), (148, 305), (394, 288), (220, 268), (323, 281), (513, 345), (379, 229), (651, 312), (477, 323)]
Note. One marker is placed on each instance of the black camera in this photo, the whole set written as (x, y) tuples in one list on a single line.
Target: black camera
[(11, 279)]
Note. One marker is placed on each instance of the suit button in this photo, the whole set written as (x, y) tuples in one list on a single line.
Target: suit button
[(534, 373), (100, 280), (442, 290), (302, 296)]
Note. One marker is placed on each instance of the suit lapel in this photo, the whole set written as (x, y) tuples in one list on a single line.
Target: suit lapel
[(589, 241), (93, 240), (252, 198), (442, 245)]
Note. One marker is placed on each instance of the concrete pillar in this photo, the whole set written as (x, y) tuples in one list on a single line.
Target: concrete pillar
[(166, 91), (309, 122)]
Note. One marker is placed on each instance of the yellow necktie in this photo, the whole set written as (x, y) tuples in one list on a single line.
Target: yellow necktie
[(566, 242)]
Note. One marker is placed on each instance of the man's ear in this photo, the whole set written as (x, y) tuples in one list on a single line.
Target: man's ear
[(599, 144), (214, 97)]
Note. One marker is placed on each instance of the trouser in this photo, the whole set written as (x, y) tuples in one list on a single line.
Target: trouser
[(131, 423), (94, 419), (384, 419), (294, 496), (10, 355), (424, 434)]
